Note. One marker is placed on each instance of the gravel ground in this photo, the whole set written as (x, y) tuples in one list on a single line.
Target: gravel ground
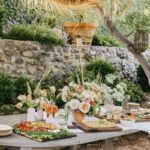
[(136, 141)]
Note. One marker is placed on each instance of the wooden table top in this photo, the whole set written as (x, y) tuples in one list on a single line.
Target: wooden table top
[(15, 140)]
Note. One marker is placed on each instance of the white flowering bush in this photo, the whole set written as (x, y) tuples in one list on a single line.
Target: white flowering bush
[(112, 94)]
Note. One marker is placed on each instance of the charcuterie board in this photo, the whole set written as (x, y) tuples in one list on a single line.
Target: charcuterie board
[(88, 130)]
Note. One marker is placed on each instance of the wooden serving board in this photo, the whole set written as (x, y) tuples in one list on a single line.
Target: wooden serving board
[(89, 130), (118, 122), (45, 140)]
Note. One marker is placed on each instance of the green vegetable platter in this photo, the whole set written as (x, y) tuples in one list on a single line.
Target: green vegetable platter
[(41, 134)]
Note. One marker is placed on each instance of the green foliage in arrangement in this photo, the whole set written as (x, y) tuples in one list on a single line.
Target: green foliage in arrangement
[(2, 15), (137, 95), (105, 40), (6, 88), (33, 33), (58, 85), (21, 85), (96, 69), (142, 79)]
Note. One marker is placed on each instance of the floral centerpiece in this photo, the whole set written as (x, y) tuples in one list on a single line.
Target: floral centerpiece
[(112, 93), (38, 99), (82, 99)]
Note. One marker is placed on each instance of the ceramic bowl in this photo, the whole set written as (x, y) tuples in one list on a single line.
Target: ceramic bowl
[(127, 122)]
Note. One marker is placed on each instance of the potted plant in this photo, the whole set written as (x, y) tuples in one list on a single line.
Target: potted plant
[(80, 29)]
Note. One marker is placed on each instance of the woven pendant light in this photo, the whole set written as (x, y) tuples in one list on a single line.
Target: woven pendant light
[(72, 2), (140, 41)]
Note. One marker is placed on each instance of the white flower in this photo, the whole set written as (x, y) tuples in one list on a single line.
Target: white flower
[(21, 97), (37, 101), (86, 93), (119, 86), (75, 86), (67, 104), (71, 84), (118, 96), (93, 95), (64, 97), (66, 88), (53, 89), (84, 107), (42, 101), (74, 104), (43, 92), (146, 12), (123, 85), (110, 78), (108, 98)]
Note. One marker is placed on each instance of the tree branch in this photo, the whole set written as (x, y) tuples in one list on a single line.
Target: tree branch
[(124, 40)]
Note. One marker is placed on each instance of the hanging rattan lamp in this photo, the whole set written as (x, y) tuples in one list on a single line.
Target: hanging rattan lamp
[(140, 41), (73, 2)]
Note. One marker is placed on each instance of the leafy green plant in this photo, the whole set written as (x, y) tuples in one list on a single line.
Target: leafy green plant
[(2, 15), (142, 79), (6, 88), (137, 95), (105, 40), (21, 85), (50, 21), (33, 33), (96, 69), (9, 109)]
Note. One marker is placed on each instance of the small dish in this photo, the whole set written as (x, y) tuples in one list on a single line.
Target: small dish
[(6, 133), (127, 122), (4, 128)]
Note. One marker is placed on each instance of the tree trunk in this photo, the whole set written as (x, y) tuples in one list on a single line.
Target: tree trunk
[(124, 40)]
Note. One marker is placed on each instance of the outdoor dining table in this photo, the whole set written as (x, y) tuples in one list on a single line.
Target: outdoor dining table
[(15, 141)]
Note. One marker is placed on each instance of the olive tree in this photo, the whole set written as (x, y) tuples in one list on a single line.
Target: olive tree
[(99, 7)]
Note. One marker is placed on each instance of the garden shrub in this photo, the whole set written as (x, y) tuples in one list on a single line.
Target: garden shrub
[(6, 88), (9, 109), (21, 85), (105, 40), (50, 22), (137, 95), (94, 68), (142, 79), (33, 33), (2, 15)]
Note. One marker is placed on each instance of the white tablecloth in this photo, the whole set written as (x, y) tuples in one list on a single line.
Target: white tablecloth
[(143, 126)]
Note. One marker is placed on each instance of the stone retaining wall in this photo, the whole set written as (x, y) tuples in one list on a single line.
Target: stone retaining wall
[(30, 59)]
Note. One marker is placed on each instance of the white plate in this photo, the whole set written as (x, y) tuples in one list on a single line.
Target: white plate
[(4, 128), (6, 133)]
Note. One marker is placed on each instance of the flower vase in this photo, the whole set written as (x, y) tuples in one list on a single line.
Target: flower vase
[(78, 115), (39, 115), (31, 115), (50, 120), (109, 107)]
